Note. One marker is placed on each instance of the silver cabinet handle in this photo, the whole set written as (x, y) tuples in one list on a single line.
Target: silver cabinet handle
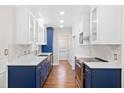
[(86, 70), (78, 65)]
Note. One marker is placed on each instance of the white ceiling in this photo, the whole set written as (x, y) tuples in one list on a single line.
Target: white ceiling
[(50, 13)]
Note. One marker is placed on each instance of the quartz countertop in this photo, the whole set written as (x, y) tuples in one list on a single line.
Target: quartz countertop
[(30, 60), (109, 65), (45, 54)]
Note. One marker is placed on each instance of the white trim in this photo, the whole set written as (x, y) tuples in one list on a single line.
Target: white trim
[(55, 64)]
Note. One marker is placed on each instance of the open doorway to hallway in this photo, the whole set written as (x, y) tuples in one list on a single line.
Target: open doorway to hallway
[(65, 45)]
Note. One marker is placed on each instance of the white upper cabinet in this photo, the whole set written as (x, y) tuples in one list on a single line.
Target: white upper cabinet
[(28, 28), (22, 26), (36, 24), (40, 34), (84, 32), (105, 25), (37, 32), (32, 28)]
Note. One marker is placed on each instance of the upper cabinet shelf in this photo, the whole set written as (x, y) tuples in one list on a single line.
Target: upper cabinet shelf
[(105, 25)]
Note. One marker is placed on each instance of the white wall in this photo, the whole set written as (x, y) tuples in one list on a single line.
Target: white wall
[(80, 50), (7, 32), (7, 28)]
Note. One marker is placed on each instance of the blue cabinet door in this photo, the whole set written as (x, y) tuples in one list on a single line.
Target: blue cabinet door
[(102, 78), (38, 76), (42, 76), (21, 76), (88, 78), (106, 78)]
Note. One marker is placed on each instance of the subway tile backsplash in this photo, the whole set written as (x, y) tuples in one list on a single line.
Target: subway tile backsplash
[(16, 51), (107, 52)]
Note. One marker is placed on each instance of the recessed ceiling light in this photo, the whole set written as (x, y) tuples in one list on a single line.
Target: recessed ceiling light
[(61, 26), (61, 12), (61, 21)]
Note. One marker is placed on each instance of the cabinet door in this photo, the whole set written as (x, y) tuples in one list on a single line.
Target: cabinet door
[(38, 76), (22, 25), (22, 76), (36, 31), (105, 25), (31, 28), (106, 78), (45, 70), (94, 18), (42, 35), (42, 74), (88, 83)]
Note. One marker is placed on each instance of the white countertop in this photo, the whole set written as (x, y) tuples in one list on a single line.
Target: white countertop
[(109, 65), (29, 60), (45, 54)]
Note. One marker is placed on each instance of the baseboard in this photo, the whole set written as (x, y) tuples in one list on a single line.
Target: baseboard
[(63, 60)]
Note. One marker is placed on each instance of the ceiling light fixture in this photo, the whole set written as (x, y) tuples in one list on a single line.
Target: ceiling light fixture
[(61, 12), (61, 26), (61, 21)]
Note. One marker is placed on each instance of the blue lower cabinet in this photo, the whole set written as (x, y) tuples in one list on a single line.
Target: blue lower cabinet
[(102, 78), (38, 76), (28, 76), (21, 77), (88, 83)]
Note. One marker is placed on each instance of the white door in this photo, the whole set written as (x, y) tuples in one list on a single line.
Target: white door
[(63, 48)]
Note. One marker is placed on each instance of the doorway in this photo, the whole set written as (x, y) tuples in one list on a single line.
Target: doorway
[(64, 44)]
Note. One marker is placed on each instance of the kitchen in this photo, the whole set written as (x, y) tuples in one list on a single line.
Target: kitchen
[(36, 38)]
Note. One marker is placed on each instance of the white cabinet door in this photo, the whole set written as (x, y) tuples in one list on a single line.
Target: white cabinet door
[(42, 35), (36, 32), (24, 26), (32, 28), (105, 25)]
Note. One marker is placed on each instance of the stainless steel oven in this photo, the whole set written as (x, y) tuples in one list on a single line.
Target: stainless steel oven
[(80, 70)]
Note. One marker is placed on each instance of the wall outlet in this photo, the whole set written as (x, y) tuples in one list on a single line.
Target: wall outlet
[(115, 57), (25, 52), (28, 51), (6, 52)]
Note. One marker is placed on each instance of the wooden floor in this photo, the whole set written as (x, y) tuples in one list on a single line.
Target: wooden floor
[(61, 76)]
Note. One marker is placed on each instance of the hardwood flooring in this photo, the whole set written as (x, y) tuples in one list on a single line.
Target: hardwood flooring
[(61, 76)]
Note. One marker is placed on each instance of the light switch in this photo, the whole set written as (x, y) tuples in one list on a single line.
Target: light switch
[(115, 57)]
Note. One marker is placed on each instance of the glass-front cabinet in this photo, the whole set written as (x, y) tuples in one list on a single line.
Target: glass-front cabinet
[(105, 24), (93, 22), (36, 32), (31, 28)]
